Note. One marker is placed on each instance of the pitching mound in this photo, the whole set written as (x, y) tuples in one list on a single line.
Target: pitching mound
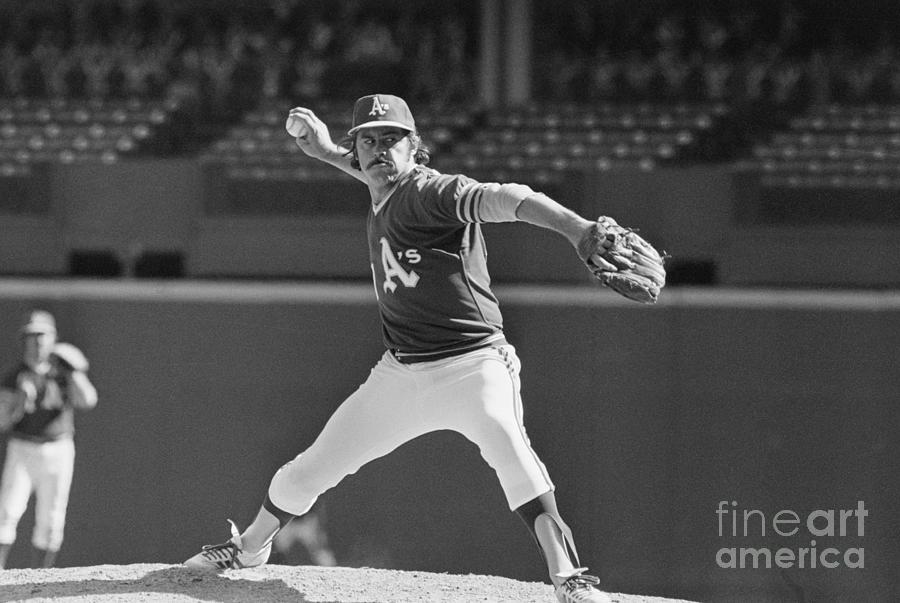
[(145, 583)]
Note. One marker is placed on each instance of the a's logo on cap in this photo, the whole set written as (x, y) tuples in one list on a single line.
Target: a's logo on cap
[(379, 108)]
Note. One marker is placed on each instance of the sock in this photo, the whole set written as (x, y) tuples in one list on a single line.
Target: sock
[(551, 534), (269, 520)]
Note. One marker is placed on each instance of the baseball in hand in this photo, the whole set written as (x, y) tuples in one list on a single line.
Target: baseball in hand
[(295, 127)]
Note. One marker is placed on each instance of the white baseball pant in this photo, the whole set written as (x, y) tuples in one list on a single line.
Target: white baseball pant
[(45, 468), (475, 394)]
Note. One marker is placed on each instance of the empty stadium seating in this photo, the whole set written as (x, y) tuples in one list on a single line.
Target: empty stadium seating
[(821, 191), (836, 146), (535, 144), (832, 165), (72, 131)]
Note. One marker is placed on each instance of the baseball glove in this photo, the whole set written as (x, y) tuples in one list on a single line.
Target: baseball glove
[(69, 357), (623, 261), (12, 408)]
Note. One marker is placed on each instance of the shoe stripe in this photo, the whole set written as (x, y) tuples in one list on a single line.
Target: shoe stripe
[(228, 556), (223, 556)]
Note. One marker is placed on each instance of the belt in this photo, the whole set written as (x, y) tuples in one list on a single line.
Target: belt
[(415, 357), (39, 439)]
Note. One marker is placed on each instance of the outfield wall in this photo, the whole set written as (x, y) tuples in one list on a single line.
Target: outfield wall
[(647, 418), (718, 228)]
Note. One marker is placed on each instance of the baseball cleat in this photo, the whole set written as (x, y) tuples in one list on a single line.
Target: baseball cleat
[(578, 587), (228, 555)]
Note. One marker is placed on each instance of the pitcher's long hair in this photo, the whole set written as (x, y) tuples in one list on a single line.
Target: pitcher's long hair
[(422, 155)]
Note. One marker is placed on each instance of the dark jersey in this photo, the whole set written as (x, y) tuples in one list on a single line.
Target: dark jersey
[(429, 265), (50, 417)]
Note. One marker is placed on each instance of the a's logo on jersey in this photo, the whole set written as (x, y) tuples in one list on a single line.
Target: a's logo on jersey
[(393, 269), (379, 108)]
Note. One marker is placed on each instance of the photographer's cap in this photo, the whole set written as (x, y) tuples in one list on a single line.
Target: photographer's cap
[(381, 110), (39, 321)]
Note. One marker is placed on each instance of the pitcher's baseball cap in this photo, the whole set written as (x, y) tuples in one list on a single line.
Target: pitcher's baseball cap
[(39, 321), (381, 110)]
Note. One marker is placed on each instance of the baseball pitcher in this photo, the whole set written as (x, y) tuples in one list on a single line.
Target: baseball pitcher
[(448, 364)]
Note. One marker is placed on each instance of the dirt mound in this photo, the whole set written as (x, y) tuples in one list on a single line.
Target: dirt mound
[(151, 583)]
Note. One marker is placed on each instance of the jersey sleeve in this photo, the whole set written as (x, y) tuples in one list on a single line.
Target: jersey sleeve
[(464, 200), (480, 202)]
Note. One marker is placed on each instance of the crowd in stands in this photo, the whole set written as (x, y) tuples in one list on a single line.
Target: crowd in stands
[(216, 59), (779, 53)]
